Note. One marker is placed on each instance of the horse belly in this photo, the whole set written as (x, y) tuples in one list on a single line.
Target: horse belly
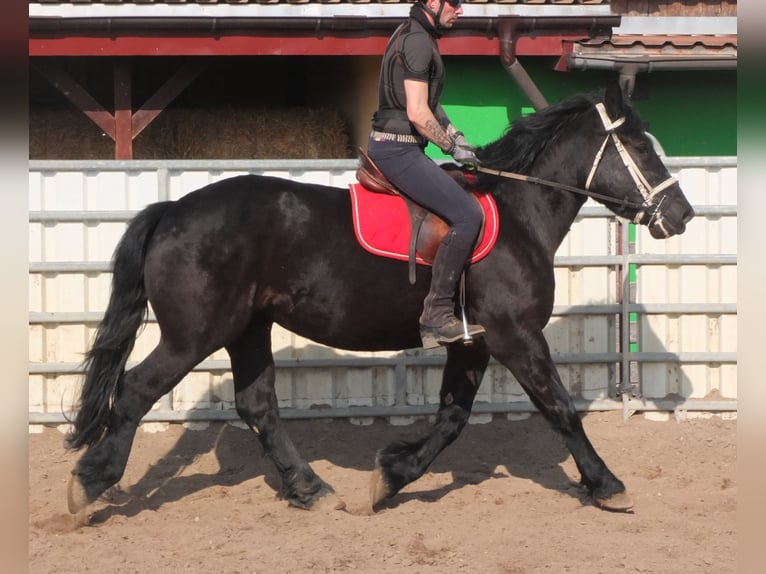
[(347, 299)]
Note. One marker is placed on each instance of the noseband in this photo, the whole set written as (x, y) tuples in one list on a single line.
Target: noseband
[(644, 187), (646, 208)]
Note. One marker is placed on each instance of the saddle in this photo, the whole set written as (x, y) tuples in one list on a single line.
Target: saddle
[(426, 228)]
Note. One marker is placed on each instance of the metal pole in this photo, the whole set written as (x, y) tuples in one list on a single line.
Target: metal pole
[(507, 36), (625, 322)]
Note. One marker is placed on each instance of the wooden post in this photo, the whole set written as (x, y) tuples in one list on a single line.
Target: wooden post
[(123, 113)]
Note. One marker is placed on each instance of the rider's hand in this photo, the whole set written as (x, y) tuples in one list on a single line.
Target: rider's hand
[(460, 141), (464, 153)]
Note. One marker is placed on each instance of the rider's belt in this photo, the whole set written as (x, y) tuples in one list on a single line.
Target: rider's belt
[(399, 138)]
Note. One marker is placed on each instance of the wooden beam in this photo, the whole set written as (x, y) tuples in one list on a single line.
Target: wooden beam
[(169, 91), (79, 97), (122, 126)]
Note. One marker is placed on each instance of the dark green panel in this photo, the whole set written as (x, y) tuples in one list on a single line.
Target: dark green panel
[(692, 113)]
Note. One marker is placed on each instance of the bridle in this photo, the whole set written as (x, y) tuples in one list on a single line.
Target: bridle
[(645, 208), (644, 187)]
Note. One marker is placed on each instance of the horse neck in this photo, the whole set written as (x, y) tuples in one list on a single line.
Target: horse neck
[(567, 161)]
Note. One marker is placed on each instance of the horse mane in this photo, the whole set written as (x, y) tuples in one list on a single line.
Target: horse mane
[(526, 137)]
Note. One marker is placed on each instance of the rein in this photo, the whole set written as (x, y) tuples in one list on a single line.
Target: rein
[(643, 186), (557, 185)]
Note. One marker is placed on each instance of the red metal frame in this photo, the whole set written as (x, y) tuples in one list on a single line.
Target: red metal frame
[(252, 45)]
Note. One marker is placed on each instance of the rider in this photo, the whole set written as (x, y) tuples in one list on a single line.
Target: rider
[(409, 115)]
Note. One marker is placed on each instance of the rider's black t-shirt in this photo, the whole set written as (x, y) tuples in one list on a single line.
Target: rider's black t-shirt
[(411, 54)]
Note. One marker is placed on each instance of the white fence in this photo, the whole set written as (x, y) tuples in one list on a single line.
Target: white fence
[(670, 304)]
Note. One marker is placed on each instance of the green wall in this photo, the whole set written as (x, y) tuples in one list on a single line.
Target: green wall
[(691, 113)]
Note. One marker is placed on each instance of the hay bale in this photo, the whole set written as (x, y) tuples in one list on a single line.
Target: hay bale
[(222, 132), (66, 133)]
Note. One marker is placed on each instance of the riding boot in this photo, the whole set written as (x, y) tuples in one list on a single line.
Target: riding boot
[(438, 323)]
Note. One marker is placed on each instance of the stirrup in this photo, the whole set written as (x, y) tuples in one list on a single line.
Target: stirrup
[(467, 334), (451, 332)]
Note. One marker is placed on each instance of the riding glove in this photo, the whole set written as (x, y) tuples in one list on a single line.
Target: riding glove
[(463, 152)]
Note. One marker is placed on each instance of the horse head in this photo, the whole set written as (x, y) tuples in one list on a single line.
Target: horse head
[(596, 142), (628, 169)]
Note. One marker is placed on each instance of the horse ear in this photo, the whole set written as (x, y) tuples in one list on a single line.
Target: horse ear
[(613, 99)]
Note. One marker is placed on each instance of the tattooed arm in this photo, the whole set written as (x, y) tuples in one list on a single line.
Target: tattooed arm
[(443, 119), (424, 119)]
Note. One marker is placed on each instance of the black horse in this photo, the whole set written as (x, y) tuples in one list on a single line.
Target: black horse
[(222, 264)]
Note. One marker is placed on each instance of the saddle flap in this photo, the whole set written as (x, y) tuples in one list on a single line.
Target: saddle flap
[(371, 177), (383, 225)]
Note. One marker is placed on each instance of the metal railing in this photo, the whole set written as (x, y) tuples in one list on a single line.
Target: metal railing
[(402, 361)]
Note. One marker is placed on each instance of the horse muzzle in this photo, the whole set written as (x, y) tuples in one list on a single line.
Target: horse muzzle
[(668, 216)]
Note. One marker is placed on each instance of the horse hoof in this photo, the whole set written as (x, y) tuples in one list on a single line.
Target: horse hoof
[(620, 502), (379, 490), (328, 502), (76, 498)]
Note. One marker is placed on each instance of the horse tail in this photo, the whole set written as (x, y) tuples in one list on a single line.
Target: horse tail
[(115, 336)]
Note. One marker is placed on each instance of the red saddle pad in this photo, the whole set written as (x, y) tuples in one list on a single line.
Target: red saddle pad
[(382, 224)]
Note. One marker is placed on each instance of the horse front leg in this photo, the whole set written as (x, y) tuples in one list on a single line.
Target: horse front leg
[(401, 463), (530, 362), (252, 365)]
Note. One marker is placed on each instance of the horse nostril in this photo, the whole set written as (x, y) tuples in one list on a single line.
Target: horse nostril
[(689, 215)]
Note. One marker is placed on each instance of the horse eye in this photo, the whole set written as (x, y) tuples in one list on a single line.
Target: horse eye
[(643, 147)]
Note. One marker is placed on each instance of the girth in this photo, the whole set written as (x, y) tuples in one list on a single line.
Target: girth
[(427, 228)]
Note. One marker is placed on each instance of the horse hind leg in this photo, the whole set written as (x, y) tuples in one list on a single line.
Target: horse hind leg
[(252, 366), (103, 464), (401, 463)]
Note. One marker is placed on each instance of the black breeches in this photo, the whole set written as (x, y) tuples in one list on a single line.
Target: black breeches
[(423, 181)]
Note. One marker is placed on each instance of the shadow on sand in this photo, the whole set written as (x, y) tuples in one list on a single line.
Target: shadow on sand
[(526, 449)]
